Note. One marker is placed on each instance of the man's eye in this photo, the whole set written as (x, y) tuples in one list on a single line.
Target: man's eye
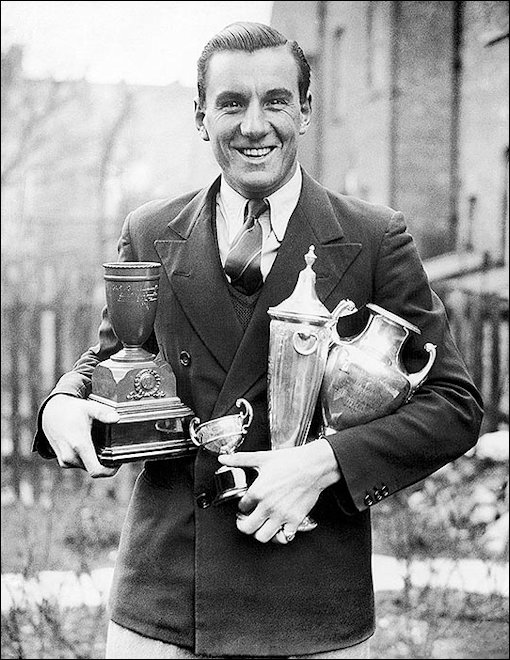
[(231, 104), (277, 101)]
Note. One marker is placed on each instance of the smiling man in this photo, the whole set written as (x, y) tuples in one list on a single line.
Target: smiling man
[(253, 109), (242, 580)]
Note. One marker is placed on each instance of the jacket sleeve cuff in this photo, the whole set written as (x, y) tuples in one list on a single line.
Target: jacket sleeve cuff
[(70, 384), (341, 493)]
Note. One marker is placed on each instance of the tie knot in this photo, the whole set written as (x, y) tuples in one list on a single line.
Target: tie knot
[(255, 208)]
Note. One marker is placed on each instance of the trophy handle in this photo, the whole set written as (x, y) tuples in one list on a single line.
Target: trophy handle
[(302, 344), (344, 308), (415, 380), (193, 425), (246, 415), (159, 426)]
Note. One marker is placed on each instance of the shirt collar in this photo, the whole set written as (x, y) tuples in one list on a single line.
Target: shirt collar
[(282, 202)]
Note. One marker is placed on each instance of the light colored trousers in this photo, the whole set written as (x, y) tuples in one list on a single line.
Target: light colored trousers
[(122, 644)]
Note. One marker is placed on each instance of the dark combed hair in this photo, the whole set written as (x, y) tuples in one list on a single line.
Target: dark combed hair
[(250, 37)]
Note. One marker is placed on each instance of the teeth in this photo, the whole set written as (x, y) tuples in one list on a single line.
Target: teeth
[(256, 152)]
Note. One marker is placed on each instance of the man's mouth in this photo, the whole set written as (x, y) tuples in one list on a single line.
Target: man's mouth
[(259, 152)]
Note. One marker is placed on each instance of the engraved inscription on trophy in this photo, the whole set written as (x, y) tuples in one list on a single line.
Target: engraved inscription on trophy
[(143, 297)]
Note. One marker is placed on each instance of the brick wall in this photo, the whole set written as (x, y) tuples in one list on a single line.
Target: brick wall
[(484, 127), (423, 107), (411, 109)]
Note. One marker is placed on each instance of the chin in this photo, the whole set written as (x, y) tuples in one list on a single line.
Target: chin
[(259, 183)]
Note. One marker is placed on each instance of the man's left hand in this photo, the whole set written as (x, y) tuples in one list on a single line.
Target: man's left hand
[(287, 486)]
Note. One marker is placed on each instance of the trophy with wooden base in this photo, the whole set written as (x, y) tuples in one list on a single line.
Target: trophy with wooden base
[(138, 385)]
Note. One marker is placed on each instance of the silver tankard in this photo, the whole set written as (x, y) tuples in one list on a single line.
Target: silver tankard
[(364, 376)]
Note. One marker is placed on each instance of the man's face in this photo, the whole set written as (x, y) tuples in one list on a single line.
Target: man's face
[(253, 118)]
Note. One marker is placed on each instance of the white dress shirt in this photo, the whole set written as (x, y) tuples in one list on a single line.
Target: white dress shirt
[(230, 217)]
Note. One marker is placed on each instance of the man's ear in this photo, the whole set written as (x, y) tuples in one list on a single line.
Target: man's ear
[(306, 114), (199, 121)]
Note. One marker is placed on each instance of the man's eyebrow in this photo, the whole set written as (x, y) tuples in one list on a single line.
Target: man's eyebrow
[(279, 91), (229, 95)]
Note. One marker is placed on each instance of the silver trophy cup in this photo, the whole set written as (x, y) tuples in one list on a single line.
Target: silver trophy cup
[(224, 435), (299, 339)]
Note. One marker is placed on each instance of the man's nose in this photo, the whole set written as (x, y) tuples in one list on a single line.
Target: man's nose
[(254, 122)]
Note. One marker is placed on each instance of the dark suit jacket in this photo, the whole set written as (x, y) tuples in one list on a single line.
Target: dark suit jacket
[(185, 574)]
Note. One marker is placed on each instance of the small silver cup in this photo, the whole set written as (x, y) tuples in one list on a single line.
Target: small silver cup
[(224, 435)]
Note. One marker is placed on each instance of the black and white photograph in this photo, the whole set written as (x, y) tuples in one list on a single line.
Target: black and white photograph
[(255, 347)]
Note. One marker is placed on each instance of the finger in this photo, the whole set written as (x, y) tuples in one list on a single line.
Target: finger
[(279, 538), (70, 461), (288, 532), (247, 503), (267, 532), (307, 525), (243, 459), (284, 535), (66, 422), (262, 531), (92, 465), (248, 524), (102, 412)]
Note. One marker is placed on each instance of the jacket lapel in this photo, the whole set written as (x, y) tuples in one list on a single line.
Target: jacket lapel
[(188, 252), (312, 223)]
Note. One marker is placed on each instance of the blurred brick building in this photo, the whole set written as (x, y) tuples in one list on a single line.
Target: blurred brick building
[(411, 110)]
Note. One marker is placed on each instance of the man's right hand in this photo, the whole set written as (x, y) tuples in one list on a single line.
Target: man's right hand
[(67, 423)]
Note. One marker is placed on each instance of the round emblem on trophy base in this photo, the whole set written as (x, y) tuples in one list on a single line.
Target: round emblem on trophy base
[(147, 383)]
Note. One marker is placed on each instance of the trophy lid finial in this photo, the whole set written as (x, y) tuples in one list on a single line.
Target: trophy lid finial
[(310, 256), (303, 303)]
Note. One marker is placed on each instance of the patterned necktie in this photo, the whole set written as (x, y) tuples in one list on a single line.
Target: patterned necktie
[(243, 260)]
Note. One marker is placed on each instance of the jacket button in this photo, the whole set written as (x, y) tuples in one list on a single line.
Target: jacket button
[(185, 358), (203, 500), (368, 499), (377, 494), (384, 490)]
